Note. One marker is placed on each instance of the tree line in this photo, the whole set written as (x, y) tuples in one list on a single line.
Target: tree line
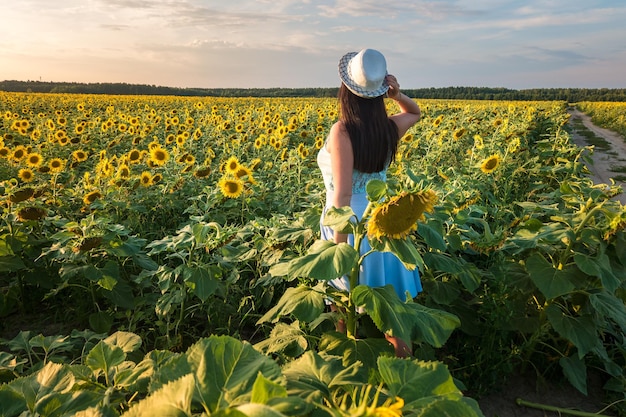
[(570, 95)]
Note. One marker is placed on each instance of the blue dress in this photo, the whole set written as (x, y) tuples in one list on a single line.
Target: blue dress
[(378, 268)]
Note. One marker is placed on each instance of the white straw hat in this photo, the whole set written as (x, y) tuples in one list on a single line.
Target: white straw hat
[(364, 73)]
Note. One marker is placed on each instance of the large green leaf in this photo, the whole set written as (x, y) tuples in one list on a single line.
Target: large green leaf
[(127, 341), (172, 400), (201, 280), (404, 249), (575, 371), (264, 390), (408, 321), (341, 219), (314, 377), (12, 403), (611, 307), (598, 266), (226, 369), (11, 263), (432, 236), (287, 338), (352, 350), (426, 387), (304, 302), (104, 357), (550, 281), (581, 331), (50, 392), (325, 260)]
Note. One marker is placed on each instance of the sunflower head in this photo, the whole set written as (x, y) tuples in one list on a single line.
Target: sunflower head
[(232, 165), (31, 213), (231, 187), (397, 217), (490, 164)]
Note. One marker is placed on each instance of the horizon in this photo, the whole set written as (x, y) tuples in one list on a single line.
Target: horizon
[(302, 88)]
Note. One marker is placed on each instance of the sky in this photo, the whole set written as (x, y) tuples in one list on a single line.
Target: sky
[(298, 43)]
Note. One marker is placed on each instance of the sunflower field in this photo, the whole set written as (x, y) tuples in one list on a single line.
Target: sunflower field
[(163, 253), (608, 115)]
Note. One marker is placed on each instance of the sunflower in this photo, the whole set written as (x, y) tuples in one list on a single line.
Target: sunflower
[(490, 164), (398, 217), (458, 134), (19, 153), (31, 213), (4, 152), (91, 197), (22, 194), (33, 160), (232, 165), (79, 155), (159, 156), (123, 172), (202, 172), (134, 156), (231, 187), (244, 173), (26, 175), (146, 179), (56, 165)]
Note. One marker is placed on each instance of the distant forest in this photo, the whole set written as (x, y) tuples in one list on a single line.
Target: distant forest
[(570, 95)]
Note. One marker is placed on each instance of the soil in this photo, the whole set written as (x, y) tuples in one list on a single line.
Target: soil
[(503, 403)]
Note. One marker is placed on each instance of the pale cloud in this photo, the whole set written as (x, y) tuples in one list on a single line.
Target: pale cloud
[(294, 43)]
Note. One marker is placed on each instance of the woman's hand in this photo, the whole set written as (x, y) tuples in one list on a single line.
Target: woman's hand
[(394, 87)]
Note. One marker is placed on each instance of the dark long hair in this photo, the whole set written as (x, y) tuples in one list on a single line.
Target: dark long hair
[(373, 134)]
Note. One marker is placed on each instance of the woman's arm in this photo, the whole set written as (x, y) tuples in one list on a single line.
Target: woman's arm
[(410, 112), (342, 164)]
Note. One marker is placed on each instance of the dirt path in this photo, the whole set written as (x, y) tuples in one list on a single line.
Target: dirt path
[(603, 159)]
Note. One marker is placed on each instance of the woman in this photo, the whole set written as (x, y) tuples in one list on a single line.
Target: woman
[(360, 147)]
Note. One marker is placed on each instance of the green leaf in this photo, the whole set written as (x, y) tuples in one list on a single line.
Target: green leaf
[(172, 400), (314, 377), (201, 280), (304, 302), (581, 331), (375, 189), (550, 281), (408, 321), (287, 338), (226, 369), (611, 307), (12, 403), (416, 381), (258, 410), (11, 263), (600, 267), (325, 260), (404, 249), (104, 357), (264, 390), (341, 219), (354, 350), (432, 237), (575, 371), (127, 341)]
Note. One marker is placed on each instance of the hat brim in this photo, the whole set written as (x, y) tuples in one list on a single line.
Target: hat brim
[(344, 75)]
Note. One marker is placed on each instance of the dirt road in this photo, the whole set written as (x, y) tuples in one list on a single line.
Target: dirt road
[(603, 160)]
